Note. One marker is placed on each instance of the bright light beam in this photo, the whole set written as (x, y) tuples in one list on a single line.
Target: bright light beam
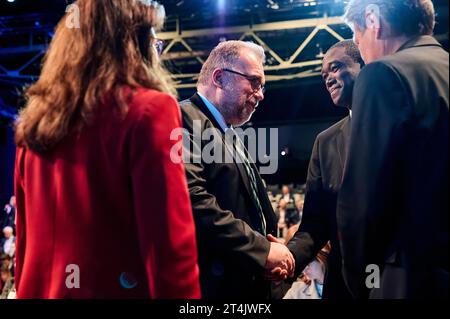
[(221, 5)]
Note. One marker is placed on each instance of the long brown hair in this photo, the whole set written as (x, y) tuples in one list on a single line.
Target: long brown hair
[(83, 64)]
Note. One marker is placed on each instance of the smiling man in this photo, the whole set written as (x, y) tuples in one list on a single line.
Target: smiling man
[(340, 67)]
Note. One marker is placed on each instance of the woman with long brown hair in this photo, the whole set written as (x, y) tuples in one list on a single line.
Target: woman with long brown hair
[(102, 210)]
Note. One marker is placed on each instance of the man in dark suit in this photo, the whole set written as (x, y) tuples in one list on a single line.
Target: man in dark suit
[(393, 205), (231, 208), (341, 65)]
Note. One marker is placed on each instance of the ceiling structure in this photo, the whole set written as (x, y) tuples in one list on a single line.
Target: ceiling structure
[(294, 33), (294, 49)]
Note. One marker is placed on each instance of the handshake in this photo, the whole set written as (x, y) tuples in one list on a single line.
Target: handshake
[(280, 263)]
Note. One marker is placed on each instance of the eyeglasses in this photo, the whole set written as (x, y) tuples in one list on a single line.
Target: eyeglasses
[(158, 44), (255, 81)]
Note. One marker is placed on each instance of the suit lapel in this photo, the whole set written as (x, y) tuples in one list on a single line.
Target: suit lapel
[(342, 139), (245, 179), (197, 101), (263, 199), (265, 203)]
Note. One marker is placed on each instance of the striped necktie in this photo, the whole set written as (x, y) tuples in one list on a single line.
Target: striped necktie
[(240, 151)]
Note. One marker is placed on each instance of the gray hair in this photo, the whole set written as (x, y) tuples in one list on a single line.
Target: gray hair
[(225, 55), (405, 17), (8, 229)]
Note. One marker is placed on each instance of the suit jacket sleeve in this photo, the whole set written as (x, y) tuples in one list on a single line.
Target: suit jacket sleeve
[(166, 236), (218, 228), (313, 233), (380, 122)]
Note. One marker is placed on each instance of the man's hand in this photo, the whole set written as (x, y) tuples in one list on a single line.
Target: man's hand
[(280, 263)]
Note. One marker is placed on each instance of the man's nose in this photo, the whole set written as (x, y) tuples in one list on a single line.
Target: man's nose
[(260, 94), (330, 81)]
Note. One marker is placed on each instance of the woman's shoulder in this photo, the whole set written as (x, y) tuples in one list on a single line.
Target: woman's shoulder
[(153, 109), (145, 100)]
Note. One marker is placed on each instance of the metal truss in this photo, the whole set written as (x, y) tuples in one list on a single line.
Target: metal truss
[(18, 73), (291, 67), (187, 50), (28, 41), (178, 48)]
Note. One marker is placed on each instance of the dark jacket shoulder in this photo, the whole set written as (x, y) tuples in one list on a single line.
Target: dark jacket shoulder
[(331, 132)]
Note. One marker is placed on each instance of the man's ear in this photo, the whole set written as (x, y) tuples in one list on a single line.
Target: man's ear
[(217, 78), (373, 20)]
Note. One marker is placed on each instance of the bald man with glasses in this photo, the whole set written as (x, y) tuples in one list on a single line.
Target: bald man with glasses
[(232, 212)]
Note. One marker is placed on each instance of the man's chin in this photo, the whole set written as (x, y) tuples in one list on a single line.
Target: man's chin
[(243, 120), (339, 102)]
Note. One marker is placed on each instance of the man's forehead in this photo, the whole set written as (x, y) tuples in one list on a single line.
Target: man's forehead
[(251, 62), (335, 55)]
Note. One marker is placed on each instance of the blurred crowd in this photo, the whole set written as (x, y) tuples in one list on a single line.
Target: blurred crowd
[(7, 249), (287, 202)]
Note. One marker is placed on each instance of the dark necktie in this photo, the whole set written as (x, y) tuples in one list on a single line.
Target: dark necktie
[(241, 153)]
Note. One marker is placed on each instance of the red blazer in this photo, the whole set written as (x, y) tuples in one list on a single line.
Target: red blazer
[(108, 211)]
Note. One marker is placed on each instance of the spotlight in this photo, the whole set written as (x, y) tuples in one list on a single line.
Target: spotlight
[(221, 5), (273, 5), (285, 151)]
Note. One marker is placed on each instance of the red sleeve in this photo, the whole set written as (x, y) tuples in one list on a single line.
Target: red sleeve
[(20, 216), (162, 206)]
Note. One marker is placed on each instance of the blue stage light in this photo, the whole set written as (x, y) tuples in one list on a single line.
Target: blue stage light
[(221, 5)]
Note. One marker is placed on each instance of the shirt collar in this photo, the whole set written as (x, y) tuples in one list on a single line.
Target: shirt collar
[(419, 41), (215, 112)]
